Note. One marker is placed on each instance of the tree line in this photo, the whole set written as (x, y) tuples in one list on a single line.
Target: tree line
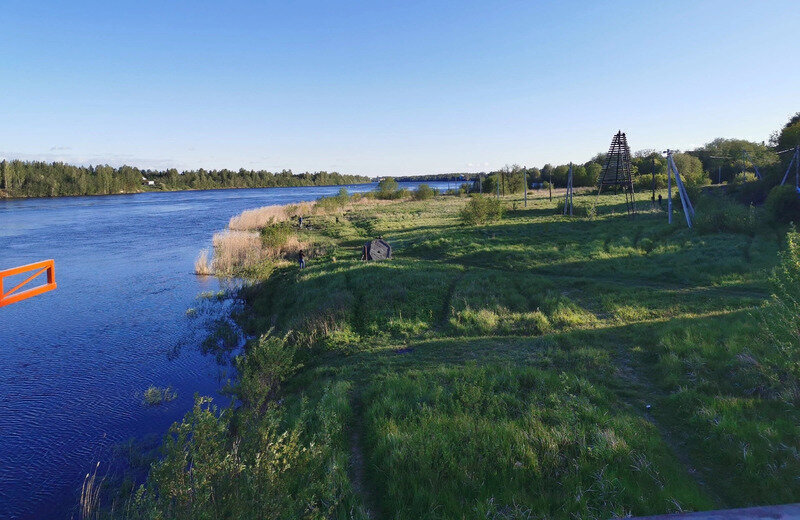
[(721, 160), (42, 179)]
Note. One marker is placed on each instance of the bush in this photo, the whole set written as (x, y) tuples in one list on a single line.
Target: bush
[(275, 237), (781, 320), (783, 204), (387, 186), (748, 189), (265, 365), (481, 209), (334, 203), (722, 215), (424, 192), (579, 209)]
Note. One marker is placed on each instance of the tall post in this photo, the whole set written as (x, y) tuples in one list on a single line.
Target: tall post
[(498, 185), (525, 185), (797, 166), (550, 182), (653, 171), (719, 174), (669, 187)]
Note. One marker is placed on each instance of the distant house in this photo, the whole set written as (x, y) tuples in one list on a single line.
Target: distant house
[(149, 183)]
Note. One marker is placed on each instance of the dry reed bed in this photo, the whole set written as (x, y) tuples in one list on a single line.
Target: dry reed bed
[(261, 217), (241, 247)]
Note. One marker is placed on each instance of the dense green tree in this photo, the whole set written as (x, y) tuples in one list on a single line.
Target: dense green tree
[(40, 179), (735, 156), (789, 135)]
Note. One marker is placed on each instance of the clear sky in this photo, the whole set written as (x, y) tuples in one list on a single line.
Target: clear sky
[(391, 88)]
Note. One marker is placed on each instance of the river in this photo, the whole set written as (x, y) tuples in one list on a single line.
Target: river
[(75, 362)]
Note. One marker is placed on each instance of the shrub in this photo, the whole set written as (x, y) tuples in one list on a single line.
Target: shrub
[(748, 189), (265, 365), (424, 192), (579, 209), (783, 204), (722, 215), (334, 203), (647, 245), (781, 319), (274, 237), (387, 186), (481, 209)]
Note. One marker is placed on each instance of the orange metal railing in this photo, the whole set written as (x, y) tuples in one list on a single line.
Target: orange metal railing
[(14, 295)]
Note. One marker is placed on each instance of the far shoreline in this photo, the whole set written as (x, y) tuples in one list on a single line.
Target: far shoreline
[(6, 198)]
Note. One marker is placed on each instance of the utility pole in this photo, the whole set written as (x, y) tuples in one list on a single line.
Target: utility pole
[(719, 170), (669, 188), (795, 160), (525, 185), (653, 171)]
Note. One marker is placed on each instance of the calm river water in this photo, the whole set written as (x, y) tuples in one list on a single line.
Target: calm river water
[(75, 361)]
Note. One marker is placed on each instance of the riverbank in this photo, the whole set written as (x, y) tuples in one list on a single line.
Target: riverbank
[(532, 366)]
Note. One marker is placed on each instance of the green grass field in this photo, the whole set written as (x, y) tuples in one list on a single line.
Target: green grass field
[(538, 366)]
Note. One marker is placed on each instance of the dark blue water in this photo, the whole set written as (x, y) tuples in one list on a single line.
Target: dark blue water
[(74, 362)]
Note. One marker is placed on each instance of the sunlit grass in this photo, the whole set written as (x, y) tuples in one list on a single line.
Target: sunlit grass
[(537, 365)]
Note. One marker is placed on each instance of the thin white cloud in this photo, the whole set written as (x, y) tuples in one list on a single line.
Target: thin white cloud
[(94, 159)]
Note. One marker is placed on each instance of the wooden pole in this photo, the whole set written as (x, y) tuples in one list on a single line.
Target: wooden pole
[(669, 188), (653, 171), (525, 185)]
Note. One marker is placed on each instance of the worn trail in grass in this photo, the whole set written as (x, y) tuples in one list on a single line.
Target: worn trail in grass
[(503, 370)]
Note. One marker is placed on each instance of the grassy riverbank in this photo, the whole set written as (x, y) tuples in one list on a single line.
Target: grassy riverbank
[(536, 366)]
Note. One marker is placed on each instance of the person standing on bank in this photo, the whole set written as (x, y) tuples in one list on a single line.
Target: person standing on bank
[(301, 257)]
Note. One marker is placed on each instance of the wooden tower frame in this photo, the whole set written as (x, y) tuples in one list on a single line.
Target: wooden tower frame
[(617, 171)]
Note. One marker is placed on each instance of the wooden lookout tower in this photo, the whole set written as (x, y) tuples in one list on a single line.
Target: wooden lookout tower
[(617, 170)]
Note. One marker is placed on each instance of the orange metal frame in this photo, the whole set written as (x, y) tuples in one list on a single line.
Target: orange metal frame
[(14, 295)]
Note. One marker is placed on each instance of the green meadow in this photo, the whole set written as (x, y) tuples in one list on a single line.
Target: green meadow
[(531, 366)]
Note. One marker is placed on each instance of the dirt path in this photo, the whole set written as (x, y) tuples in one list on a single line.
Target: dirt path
[(648, 395), (357, 469)]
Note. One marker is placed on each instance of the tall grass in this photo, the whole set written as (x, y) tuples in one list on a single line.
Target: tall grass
[(236, 250), (202, 264), (260, 217), (90, 495)]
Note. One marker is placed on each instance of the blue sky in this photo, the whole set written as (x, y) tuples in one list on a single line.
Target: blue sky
[(391, 88)]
